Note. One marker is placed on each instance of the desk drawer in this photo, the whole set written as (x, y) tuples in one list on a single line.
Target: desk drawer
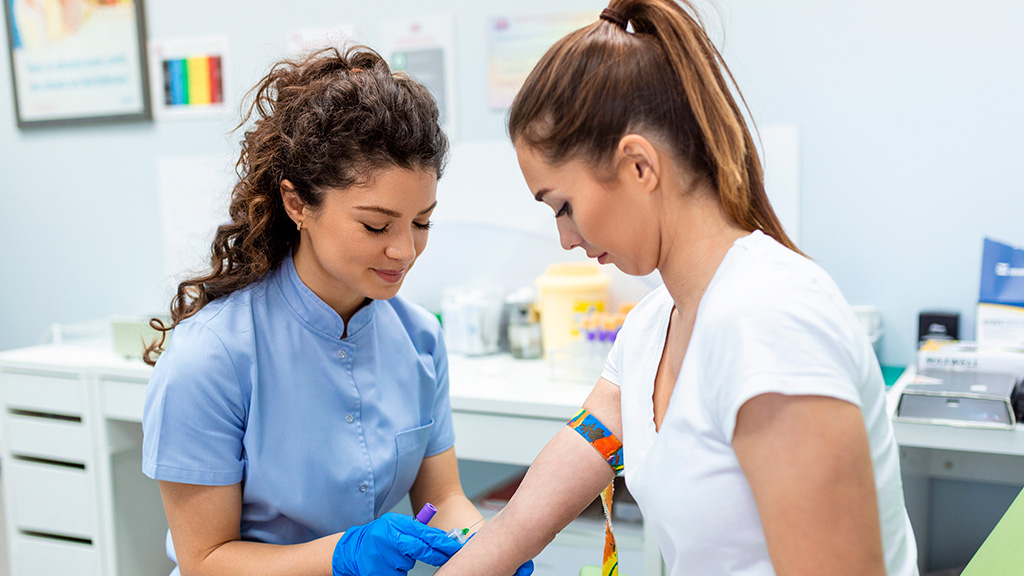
[(485, 437), (52, 439), (123, 400), (51, 499), (45, 394), (34, 556)]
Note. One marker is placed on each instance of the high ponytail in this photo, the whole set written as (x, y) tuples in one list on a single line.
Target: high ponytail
[(599, 83)]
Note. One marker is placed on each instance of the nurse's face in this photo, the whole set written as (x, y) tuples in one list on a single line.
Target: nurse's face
[(594, 215), (362, 241)]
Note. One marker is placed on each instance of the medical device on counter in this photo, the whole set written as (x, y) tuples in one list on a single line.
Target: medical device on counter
[(959, 398)]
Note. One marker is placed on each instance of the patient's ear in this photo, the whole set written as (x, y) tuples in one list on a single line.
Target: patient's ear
[(639, 163)]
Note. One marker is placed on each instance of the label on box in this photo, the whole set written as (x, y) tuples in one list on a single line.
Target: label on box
[(1000, 325), (969, 356)]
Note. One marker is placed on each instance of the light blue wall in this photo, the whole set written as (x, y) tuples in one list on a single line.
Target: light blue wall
[(910, 116), (909, 112)]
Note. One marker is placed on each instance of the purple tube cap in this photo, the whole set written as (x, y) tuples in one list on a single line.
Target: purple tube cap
[(426, 513)]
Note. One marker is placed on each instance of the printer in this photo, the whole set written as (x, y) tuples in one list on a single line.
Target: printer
[(960, 398)]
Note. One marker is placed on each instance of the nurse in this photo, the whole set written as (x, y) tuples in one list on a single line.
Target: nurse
[(300, 399), (748, 399)]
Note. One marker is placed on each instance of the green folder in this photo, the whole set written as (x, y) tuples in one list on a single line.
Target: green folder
[(1003, 550)]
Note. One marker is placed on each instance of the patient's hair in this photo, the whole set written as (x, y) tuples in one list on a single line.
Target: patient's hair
[(666, 80)]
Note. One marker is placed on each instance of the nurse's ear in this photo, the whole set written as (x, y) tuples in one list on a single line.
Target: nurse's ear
[(293, 205), (639, 164)]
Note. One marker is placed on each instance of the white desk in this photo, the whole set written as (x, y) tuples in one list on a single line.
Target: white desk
[(117, 537), (490, 396), (494, 395), (946, 452)]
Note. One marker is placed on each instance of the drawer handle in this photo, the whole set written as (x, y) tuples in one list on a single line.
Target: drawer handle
[(60, 537), (46, 415), (48, 462)]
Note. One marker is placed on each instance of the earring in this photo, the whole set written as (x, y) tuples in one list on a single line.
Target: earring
[(298, 225)]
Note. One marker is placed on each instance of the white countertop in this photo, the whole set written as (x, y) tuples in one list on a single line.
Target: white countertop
[(496, 384), (75, 357), (500, 384)]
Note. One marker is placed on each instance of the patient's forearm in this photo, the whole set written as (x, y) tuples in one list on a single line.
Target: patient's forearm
[(455, 511), (563, 480)]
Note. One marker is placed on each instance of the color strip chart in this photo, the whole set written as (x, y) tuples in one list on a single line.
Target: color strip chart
[(193, 81)]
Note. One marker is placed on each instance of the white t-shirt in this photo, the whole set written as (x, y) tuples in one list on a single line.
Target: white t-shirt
[(770, 321)]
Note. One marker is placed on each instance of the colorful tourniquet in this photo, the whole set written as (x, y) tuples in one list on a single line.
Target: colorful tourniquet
[(600, 437), (610, 559)]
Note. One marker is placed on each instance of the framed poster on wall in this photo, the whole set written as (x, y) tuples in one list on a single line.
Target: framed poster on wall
[(77, 61)]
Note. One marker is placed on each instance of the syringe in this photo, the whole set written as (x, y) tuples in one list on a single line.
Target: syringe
[(462, 534)]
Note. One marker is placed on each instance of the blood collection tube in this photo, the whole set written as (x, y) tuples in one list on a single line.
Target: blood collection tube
[(426, 513)]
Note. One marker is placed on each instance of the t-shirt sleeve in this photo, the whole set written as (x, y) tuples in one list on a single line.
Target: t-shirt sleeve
[(442, 437), (194, 416), (799, 342), (640, 332), (612, 371)]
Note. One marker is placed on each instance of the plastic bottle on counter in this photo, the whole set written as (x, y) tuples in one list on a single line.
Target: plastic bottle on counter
[(567, 292), (524, 331)]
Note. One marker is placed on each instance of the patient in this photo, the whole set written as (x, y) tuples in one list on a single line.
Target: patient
[(748, 399)]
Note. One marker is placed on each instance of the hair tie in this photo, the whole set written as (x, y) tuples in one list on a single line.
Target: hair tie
[(614, 17)]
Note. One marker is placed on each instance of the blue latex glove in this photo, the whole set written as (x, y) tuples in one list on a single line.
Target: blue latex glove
[(525, 569), (390, 546)]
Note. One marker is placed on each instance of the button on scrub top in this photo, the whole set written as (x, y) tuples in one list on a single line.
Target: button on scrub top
[(324, 433)]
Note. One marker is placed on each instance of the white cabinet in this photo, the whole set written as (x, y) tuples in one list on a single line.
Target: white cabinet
[(78, 503), (45, 556), (65, 455), (45, 393), (43, 437), (49, 476), (53, 500)]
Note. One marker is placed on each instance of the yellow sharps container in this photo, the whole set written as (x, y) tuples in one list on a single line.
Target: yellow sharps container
[(565, 293)]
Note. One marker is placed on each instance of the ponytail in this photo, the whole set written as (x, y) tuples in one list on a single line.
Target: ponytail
[(601, 82)]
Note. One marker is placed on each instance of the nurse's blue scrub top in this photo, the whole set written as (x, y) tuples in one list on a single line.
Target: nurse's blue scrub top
[(324, 433)]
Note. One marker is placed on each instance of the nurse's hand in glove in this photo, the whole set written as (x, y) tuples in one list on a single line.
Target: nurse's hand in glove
[(390, 546), (526, 569)]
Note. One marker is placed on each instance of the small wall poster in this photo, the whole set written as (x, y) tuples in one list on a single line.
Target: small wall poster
[(189, 77)]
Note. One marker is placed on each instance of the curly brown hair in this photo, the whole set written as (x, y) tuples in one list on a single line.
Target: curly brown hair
[(329, 121)]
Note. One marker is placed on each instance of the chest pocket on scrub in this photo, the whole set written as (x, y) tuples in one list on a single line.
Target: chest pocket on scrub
[(412, 445)]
